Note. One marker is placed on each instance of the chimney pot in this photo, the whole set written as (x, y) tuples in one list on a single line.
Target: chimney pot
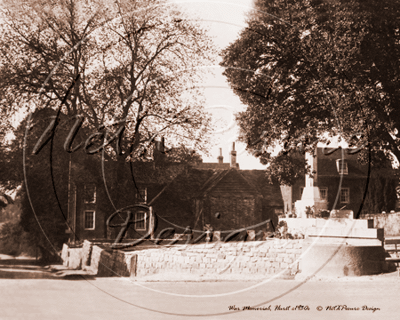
[(160, 145), (233, 156), (220, 157)]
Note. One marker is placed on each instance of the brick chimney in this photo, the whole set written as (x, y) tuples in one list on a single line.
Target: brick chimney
[(160, 145), (233, 156), (220, 157), (159, 151)]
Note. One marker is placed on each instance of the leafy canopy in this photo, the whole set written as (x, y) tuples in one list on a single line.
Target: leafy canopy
[(139, 63), (136, 64), (306, 69)]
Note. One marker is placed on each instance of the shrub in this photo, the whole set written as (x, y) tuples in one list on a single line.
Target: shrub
[(10, 238)]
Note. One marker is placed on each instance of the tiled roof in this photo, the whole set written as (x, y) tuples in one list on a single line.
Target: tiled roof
[(197, 183), (270, 192), (212, 166), (213, 180)]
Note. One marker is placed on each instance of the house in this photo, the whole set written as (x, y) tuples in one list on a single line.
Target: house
[(344, 183), (99, 188), (182, 195), (225, 200)]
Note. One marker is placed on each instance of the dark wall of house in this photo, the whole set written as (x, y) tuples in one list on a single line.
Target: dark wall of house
[(269, 213), (232, 204), (99, 207), (356, 189), (232, 212), (226, 200), (380, 196), (175, 211)]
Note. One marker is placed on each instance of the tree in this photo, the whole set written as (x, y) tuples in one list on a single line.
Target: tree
[(308, 68), (381, 193), (286, 169), (46, 177), (44, 192), (110, 70), (135, 64)]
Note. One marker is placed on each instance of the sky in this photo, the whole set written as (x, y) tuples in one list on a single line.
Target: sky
[(224, 21)]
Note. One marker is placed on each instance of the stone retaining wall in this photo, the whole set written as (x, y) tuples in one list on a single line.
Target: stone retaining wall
[(390, 222), (72, 257), (257, 257)]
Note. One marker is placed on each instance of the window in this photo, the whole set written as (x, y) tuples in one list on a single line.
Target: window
[(323, 193), (342, 167), (344, 195), (89, 220), (90, 193), (140, 220), (141, 195)]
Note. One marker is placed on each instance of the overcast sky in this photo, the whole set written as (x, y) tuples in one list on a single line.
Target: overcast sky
[(224, 20)]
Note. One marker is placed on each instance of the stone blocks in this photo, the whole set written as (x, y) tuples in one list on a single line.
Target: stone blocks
[(246, 257), (271, 256), (65, 254), (74, 261), (86, 252), (341, 259)]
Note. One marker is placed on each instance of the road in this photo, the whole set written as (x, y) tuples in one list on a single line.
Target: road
[(122, 298)]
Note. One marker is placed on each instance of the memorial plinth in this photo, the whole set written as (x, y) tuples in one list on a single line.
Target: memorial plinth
[(342, 247), (311, 196)]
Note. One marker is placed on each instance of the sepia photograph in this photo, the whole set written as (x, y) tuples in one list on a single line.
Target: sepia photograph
[(199, 159)]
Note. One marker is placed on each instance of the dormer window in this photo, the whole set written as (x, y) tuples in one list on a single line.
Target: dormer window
[(341, 166)]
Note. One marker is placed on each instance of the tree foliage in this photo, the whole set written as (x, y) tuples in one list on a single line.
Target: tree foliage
[(307, 68), (137, 61), (286, 169), (46, 177), (114, 70), (43, 196), (381, 193)]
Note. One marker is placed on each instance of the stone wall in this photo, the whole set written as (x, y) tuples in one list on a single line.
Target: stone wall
[(95, 259), (78, 257), (75, 258), (342, 227), (341, 259), (252, 257), (255, 257), (390, 222)]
